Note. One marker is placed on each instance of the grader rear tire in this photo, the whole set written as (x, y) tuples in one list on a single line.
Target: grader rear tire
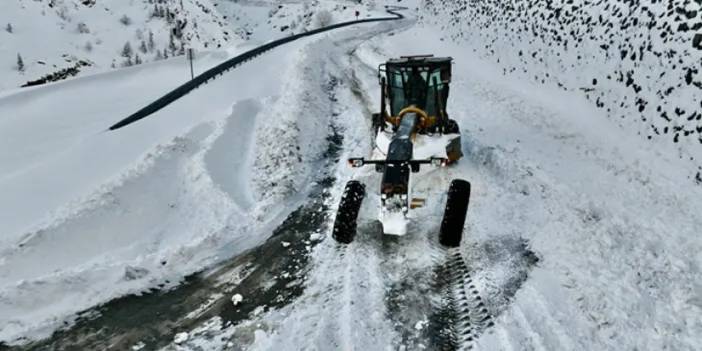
[(345, 223), (451, 231)]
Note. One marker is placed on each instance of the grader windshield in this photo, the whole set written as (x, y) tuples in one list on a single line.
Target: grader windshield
[(422, 81)]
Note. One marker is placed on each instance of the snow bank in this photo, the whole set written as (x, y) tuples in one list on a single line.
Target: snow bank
[(91, 215)]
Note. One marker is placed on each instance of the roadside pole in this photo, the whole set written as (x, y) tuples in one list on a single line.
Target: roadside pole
[(191, 56)]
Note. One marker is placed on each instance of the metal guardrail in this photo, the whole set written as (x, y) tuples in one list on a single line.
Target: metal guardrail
[(213, 72)]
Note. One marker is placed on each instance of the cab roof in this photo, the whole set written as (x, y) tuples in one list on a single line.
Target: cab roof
[(419, 60)]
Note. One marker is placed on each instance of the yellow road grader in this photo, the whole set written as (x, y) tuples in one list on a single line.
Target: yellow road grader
[(411, 130)]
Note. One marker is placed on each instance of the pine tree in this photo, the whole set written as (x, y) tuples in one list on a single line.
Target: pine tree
[(142, 47), (159, 56), (9, 28), (127, 50), (152, 44), (20, 63), (137, 59), (177, 30), (182, 49), (165, 54), (172, 45)]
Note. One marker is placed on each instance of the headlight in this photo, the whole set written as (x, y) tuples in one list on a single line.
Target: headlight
[(357, 162), (438, 162)]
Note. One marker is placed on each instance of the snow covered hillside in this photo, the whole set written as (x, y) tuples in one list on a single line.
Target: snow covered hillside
[(639, 61), (263, 20), (64, 37), (49, 40)]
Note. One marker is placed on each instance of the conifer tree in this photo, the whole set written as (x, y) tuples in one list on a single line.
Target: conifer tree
[(20, 63), (127, 50)]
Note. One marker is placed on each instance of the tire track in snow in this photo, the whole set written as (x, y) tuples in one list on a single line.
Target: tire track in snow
[(540, 320), (535, 338), (474, 317), (443, 321)]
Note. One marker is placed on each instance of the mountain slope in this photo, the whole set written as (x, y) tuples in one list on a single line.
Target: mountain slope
[(638, 61), (53, 36)]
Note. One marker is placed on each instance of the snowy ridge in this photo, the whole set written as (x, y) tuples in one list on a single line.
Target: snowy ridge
[(95, 32), (636, 60), (86, 37)]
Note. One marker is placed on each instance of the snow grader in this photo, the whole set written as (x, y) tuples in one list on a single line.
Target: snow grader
[(411, 130)]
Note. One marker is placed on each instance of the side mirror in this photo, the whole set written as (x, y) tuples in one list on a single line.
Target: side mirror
[(380, 168), (414, 167)]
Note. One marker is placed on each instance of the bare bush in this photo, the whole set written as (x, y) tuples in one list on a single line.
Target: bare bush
[(125, 20), (83, 28), (323, 18)]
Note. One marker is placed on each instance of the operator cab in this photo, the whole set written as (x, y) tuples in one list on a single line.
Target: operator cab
[(421, 82), (416, 89)]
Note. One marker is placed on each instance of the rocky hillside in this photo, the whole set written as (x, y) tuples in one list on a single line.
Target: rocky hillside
[(640, 60)]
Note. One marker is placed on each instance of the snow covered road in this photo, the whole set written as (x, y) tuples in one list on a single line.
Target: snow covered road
[(580, 236), (192, 201)]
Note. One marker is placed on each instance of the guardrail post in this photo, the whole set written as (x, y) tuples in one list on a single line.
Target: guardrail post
[(191, 55)]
